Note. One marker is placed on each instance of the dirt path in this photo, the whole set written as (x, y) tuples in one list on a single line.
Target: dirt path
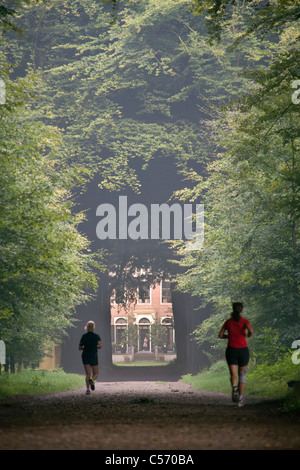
[(144, 415)]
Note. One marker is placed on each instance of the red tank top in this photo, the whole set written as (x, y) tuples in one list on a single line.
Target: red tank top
[(236, 332)]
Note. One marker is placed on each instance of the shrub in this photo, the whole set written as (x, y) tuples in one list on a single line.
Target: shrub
[(271, 379)]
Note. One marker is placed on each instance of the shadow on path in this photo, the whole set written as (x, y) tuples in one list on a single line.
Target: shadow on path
[(149, 411), (140, 373)]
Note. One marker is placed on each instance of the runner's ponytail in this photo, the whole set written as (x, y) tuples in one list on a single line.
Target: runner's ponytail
[(237, 308)]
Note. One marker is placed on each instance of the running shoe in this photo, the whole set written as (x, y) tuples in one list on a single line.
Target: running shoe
[(88, 392), (240, 402), (235, 394), (92, 384)]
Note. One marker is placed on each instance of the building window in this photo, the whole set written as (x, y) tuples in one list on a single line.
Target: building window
[(166, 297), (144, 295), (167, 324), (144, 335), (120, 328), (119, 296)]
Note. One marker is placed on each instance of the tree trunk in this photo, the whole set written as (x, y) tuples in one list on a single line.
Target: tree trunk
[(179, 303), (12, 364), (104, 322), (97, 310), (187, 316), (197, 360), (294, 239)]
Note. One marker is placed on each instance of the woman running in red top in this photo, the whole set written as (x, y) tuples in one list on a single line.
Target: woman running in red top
[(237, 352)]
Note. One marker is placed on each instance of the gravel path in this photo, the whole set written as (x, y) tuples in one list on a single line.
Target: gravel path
[(144, 415)]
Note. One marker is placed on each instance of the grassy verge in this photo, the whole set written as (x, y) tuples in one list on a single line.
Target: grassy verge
[(262, 380), (35, 381), (216, 379)]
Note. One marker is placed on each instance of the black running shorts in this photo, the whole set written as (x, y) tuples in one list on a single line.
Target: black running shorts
[(237, 356), (90, 359)]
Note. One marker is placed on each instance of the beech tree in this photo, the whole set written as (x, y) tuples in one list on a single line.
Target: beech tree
[(251, 250), (45, 263)]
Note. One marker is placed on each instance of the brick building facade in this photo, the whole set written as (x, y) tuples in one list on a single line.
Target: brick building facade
[(153, 305)]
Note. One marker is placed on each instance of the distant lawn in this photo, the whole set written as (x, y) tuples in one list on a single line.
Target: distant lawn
[(141, 363), (37, 381)]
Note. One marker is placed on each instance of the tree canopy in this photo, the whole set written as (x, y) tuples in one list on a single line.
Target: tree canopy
[(206, 85), (251, 250)]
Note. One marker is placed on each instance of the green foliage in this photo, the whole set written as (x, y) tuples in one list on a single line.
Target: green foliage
[(130, 92), (130, 334), (266, 347), (251, 195), (158, 333), (143, 88), (9, 10), (271, 379), (262, 380), (262, 17), (151, 85), (218, 367), (45, 263)]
